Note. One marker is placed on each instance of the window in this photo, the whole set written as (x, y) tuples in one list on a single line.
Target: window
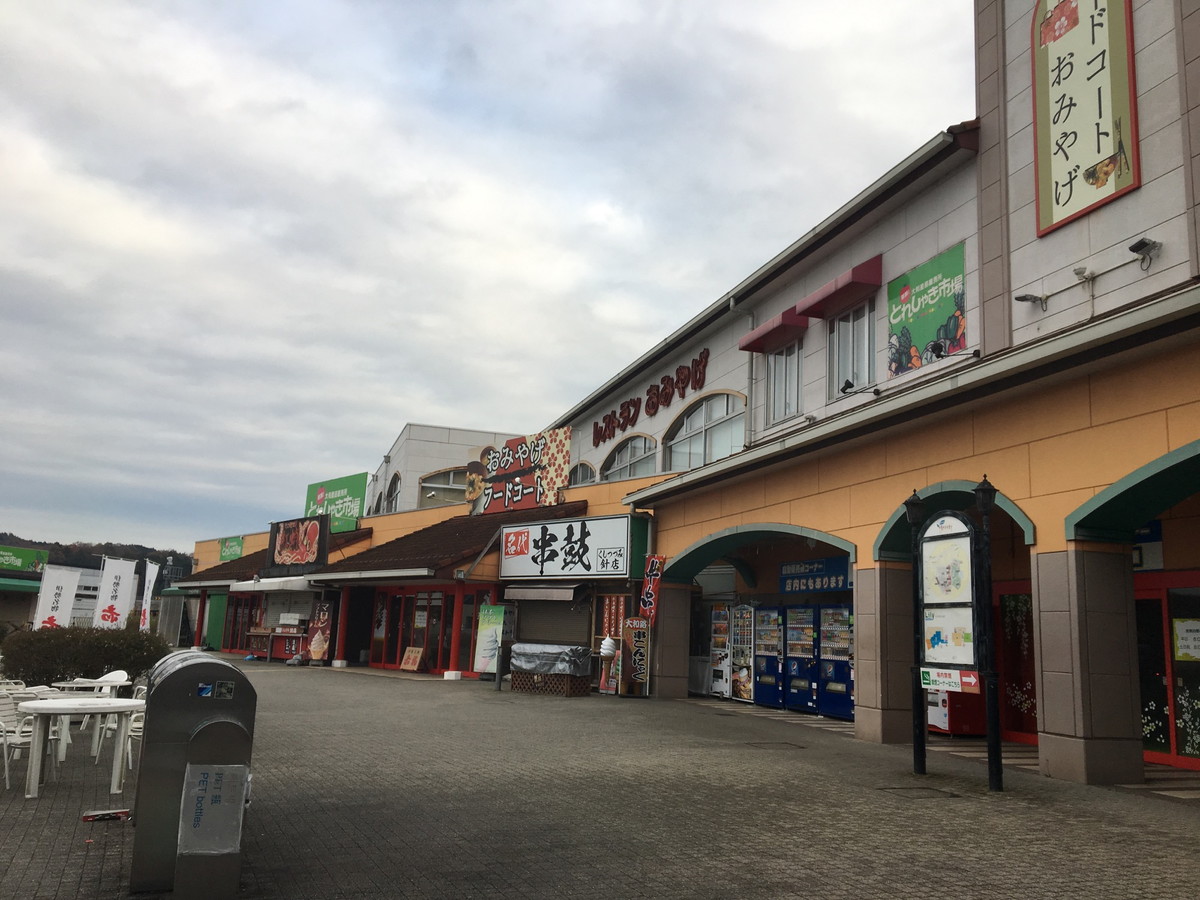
[(633, 458), (441, 488), (581, 474), (783, 382), (393, 494), (850, 349), (709, 430)]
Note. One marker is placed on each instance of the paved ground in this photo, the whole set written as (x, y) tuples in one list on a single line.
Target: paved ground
[(378, 787)]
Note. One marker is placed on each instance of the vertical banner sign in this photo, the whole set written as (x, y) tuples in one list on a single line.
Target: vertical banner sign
[(610, 669), (319, 627), (927, 314), (114, 601), (636, 641), (489, 637), (56, 597), (649, 600), (1084, 107), (148, 593)]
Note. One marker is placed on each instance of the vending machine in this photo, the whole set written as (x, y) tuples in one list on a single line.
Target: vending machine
[(768, 656), (720, 683), (741, 653), (835, 654), (801, 659)]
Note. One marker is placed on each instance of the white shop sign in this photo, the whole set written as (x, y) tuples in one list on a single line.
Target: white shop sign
[(566, 548)]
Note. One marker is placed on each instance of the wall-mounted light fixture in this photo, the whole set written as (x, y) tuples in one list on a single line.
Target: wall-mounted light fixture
[(847, 389), (810, 418), (1144, 249), (1031, 298)]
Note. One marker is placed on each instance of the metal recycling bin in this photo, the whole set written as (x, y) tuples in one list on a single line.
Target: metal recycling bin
[(193, 777)]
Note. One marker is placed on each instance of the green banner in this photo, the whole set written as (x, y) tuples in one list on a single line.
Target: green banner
[(927, 313), (231, 548), (23, 559), (342, 499)]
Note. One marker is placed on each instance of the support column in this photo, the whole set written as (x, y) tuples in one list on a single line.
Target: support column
[(883, 653), (201, 613), (1089, 701), (339, 658), (669, 640), (456, 624)]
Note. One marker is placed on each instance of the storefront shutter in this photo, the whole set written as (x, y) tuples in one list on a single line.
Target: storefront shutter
[(554, 622)]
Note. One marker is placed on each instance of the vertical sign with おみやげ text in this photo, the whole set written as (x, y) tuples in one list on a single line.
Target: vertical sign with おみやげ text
[(1084, 107)]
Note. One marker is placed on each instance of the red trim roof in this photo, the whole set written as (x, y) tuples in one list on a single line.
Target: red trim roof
[(859, 282)]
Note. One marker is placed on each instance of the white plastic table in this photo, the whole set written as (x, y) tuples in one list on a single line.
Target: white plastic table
[(43, 711)]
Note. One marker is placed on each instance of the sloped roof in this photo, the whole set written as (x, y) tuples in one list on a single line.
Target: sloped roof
[(246, 567), (447, 543)]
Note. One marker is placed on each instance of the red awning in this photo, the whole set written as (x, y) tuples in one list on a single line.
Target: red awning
[(859, 282), (783, 329)]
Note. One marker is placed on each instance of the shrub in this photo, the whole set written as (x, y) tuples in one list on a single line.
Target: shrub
[(60, 654)]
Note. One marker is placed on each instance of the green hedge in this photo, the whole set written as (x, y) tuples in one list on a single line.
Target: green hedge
[(60, 654)]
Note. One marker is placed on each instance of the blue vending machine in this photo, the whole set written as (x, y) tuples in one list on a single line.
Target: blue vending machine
[(800, 681), (768, 656), (835, 662)]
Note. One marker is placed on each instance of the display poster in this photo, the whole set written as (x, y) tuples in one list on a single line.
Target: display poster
[(927, 314), (489, 637), (614, 616), (229, 548), (567, 548), (949, 636), (319, 627), (114, 600), (527, 472), (23, 559), (56, 596), (946, 571), (342, 499), (811, 576), (210, 812), (1187, 639), (1084, 107), (298, 546)]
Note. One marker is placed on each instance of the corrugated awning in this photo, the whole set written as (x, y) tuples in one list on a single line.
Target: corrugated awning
[(20, 585), (270, 585), (565, 592)]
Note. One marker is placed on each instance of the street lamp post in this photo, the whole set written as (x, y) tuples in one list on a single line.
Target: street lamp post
[(985, 500), (914, 509)]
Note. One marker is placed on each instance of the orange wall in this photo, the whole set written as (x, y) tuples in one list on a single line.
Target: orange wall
[(1048, 448)]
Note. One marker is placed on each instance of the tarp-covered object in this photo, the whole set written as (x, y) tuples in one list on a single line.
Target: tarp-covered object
[(552, 659)]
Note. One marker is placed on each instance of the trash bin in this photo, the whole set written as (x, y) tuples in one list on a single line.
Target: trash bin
[(193, 777)]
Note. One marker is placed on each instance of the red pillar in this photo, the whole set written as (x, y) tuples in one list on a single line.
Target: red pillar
[(339, 658), (202, 611), (456, 624)]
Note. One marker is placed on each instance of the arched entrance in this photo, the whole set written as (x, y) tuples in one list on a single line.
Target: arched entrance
[(1147, 525), (772, 617), (885, 603)]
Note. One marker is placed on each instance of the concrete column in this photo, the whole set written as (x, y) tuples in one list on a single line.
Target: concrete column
[(201, 613), (883, 653), (669, 666), (1089, 703), (339, 661)]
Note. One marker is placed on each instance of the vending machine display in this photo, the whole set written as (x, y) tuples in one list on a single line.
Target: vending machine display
[(801, 661), (721, 685), (836, 662), (741, 652), (768, 656)]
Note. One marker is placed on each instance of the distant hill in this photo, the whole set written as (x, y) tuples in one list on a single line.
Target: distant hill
[(88, 556)]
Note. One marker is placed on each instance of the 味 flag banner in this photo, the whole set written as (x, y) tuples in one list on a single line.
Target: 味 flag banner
[(148, 593), (114, 601), (56, 597)]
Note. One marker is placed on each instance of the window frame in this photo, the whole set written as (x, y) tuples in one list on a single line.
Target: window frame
[(649, 451), (706, 429), (838, 373), (793, 381)]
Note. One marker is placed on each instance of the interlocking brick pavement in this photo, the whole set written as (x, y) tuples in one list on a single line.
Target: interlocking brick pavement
[(372, 786)]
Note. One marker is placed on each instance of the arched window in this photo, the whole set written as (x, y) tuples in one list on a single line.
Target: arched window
[(440, 488), (393, 494), (633, 458), (581, 474), (710, 429)]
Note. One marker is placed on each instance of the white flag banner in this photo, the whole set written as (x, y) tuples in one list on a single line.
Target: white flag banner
[(56, 597), (114, 601), (148, 592)]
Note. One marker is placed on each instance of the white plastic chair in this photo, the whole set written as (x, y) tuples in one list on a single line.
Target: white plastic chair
[(16, 734), (106, 690)]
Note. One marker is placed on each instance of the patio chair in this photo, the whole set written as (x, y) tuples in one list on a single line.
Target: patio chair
[(106, 690), (16, 734)]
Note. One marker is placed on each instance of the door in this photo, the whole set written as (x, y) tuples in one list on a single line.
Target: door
[(1015, 663), (768, 656), (835, 662), (1153, 675), (801, 675)]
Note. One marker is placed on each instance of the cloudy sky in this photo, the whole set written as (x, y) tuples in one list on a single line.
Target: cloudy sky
[(243, 243)]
